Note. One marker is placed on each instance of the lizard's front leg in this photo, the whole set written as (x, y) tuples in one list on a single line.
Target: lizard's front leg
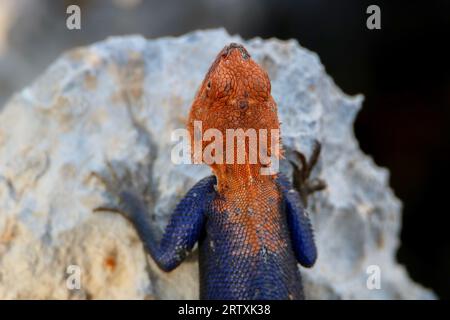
[(301, 231), (295, 200), (181, 233)]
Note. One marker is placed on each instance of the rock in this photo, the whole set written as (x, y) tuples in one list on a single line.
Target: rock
[(117, 102), (33, 33)]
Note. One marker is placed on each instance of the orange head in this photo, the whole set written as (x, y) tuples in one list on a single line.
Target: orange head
[(235, 94)]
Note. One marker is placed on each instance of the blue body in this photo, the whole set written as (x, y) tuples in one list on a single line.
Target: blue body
[(232, 266)]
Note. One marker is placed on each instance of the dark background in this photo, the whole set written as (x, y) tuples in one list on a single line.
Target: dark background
[(403, 71)]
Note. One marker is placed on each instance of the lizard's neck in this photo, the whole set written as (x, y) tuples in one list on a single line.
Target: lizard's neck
[(231, 177)]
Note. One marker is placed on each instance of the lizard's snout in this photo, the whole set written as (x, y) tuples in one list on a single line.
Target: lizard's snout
[(235, 46)]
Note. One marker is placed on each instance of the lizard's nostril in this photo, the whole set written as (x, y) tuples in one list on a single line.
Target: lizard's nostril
[(243, 104)]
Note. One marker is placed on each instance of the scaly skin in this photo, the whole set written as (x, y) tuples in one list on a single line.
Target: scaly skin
[(251, 228)]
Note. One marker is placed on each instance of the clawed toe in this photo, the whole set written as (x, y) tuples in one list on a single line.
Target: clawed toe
[(120, 190), (302, 173), (315, 185)]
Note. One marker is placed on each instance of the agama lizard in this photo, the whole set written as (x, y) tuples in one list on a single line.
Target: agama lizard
[(252, 229)]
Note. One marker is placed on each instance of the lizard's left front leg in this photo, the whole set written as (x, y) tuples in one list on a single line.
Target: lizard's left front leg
[(299, 224), (181, 233)]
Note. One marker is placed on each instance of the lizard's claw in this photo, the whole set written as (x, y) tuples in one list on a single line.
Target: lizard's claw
[(121, 191), (126, 206), (315, 185), (302, 181)]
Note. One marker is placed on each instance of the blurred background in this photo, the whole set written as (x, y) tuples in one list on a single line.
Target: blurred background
[(403, 70)]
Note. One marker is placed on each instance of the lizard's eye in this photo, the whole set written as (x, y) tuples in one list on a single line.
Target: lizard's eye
[(208, 85)]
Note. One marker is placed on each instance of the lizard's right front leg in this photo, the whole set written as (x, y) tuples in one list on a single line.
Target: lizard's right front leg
[(183, 230)]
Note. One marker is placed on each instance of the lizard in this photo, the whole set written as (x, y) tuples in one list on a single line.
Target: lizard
[(252, 229)]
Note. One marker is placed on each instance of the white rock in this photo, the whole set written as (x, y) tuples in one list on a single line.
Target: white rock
[(119, 100)]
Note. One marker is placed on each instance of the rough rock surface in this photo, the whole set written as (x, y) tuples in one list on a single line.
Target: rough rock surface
[(118, 101)]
